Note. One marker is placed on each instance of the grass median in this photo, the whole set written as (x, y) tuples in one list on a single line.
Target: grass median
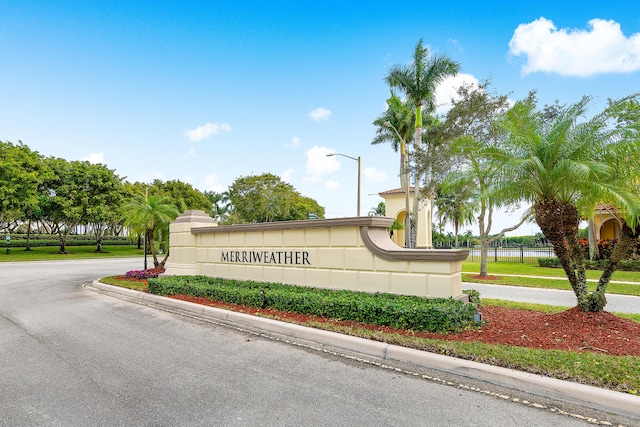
[(50, 253), (533, 276)]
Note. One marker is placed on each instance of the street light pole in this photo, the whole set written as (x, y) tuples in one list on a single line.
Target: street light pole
[(357, 160), (405, 174), (146, 200)]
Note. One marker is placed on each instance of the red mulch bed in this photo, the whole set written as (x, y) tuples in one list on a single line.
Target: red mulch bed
[(570, 330)]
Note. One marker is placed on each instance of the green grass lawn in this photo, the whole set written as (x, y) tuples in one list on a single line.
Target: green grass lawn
[(526, 269), (45, 253), (540, 279), (129, 284)]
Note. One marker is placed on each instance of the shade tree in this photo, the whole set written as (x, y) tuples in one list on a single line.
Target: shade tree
[(75, 193), (183, 195), (266, 198), (22, 172), (471, 125)]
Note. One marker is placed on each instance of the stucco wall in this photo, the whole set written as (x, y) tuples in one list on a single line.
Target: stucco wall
[(349, 253)]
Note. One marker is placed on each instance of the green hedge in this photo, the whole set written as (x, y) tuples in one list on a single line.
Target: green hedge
[(626, 265), (37, 240), (397, 311)]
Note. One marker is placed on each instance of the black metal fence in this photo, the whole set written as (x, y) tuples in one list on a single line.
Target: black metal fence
[(523, 254)]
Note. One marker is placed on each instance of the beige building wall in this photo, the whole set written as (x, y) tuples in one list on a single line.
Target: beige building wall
[(606, 224), (349, 253), (395, 208)]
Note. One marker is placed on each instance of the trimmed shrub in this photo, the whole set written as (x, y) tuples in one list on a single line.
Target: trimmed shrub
[(397, 311), (38, 240), (549, 262), (474, 295), (625, 265)]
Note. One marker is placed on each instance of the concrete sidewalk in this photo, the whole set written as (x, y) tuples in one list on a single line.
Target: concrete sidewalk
[(590, 398)]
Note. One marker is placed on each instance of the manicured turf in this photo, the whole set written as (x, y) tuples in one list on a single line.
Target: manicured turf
[(533, 276), (44, 253)]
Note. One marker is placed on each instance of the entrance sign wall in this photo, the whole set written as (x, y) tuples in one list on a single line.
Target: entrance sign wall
[(346, 253)]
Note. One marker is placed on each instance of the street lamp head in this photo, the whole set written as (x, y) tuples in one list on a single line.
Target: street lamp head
[(357, 160), (388, 124)]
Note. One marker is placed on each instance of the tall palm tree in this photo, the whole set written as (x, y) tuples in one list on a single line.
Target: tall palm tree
[(564, 167), (396, 126), (419, 81), (151, 214)]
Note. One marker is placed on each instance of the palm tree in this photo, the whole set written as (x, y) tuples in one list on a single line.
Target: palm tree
[(564, 166), (151, 214), (419, 81), (454, 205), (220, 204), (396, 126), (378, 210)]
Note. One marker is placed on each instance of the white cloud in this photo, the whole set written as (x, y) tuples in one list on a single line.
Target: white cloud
[(95, 158), (320, 114), (319, 165), (205, 131), (602, 48), (295, 142), (447, 90), (332, 185), (192, 151), (212, 183), (373, 175), (287, 176)]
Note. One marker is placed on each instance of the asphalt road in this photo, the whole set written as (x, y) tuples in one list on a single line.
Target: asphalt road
[(74, 357)]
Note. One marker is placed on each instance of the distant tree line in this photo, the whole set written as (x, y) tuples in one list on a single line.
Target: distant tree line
[(55, 196)]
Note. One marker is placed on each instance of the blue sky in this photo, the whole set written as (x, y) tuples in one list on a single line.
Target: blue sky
[(207, 91)]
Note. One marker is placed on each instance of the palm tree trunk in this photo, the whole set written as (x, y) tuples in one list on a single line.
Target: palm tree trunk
[(484, 245), (152, 247), (551, 216), (416, 190), (403, 169), (628, 240), (455, 231), (164, 260), (405, 186), (594, 253)]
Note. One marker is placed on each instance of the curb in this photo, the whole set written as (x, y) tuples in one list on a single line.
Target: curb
[(565, 391)]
